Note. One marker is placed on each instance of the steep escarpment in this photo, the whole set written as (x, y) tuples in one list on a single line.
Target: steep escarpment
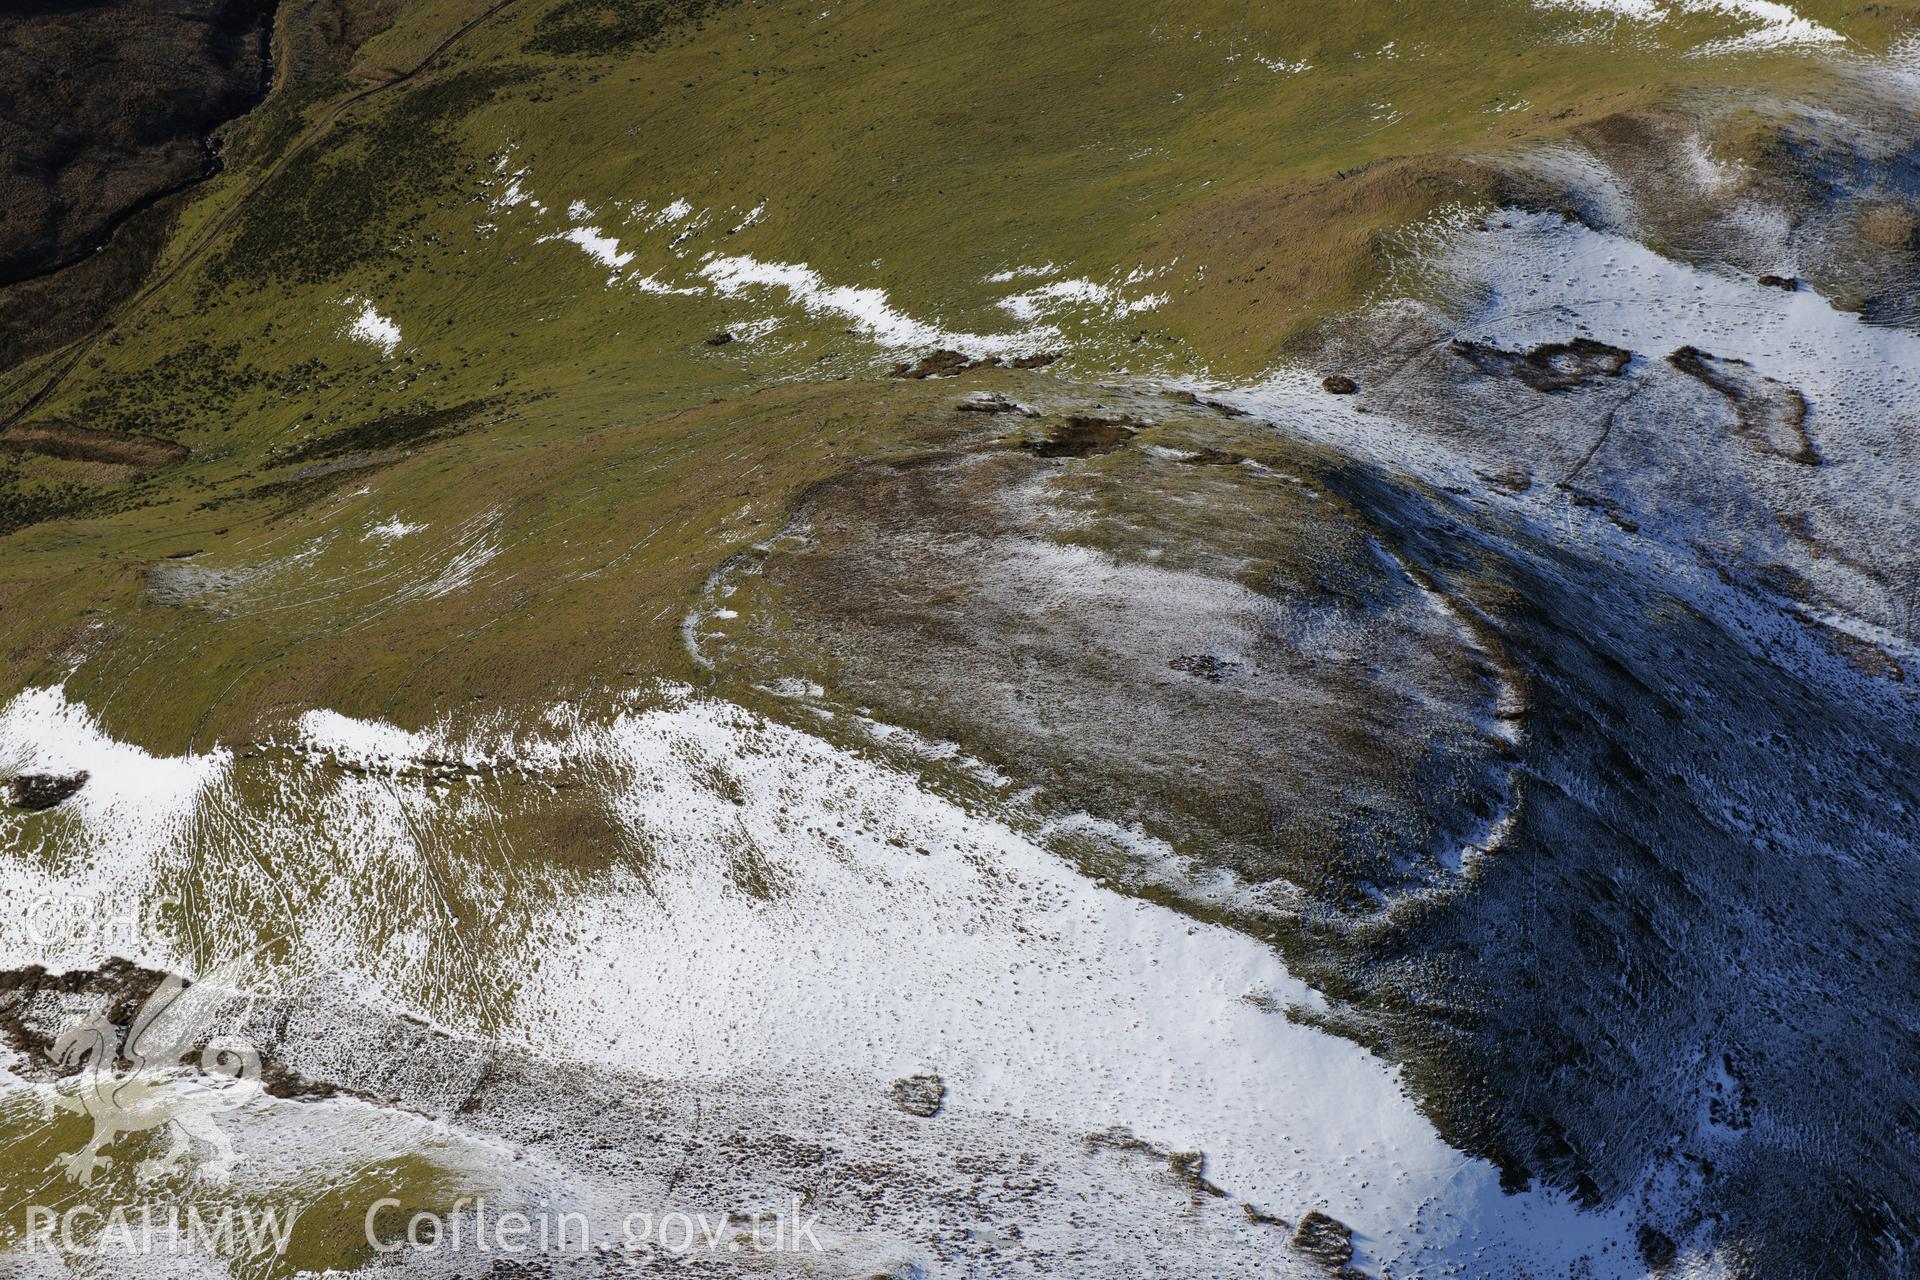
[(107, 108), (112, 116), (1640, 998), (106, 116)]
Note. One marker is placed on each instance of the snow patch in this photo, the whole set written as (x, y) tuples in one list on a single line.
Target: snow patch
[(92, 858), (677, 211), (511, 182), (1023, 273), (1540, 279), (390, 530), (893, 929), (1775, 26), (370, 327), (810, 920), (362, 742), (653, 284), (1778, 27), (1110, 299), (602, 248), (870, 310)]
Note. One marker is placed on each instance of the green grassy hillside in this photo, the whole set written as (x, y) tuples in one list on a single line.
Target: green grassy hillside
[(472, 290)]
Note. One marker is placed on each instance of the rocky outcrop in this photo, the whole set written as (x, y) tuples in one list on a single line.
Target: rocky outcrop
[(34, 791), (920, 1095), (1327, 1241), (1551, 366)]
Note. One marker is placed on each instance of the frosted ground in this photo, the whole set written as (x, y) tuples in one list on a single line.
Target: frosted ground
[(1640, 628), (1051, 1008)]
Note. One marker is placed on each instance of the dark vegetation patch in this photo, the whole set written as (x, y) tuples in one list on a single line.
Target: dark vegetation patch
[(1551, 366), (121, 986), (46, 313), (1611, 508), (187, 387), (271, 129), (1080, 437), (941, 364), (1865, 655), (946, 364), (303, 487), (1771, 414), (115, 228), (1657, 1248), (749, 872), (1204, 666), (1220, 407), (386, 434), (1513, 479), (316, 43), (345, 201), (1339, 384), (318, 38), (610, 28), (1890, 226), (71, 443), (27, 500)]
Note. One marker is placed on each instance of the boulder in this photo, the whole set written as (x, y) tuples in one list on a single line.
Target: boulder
[(34, 791)]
